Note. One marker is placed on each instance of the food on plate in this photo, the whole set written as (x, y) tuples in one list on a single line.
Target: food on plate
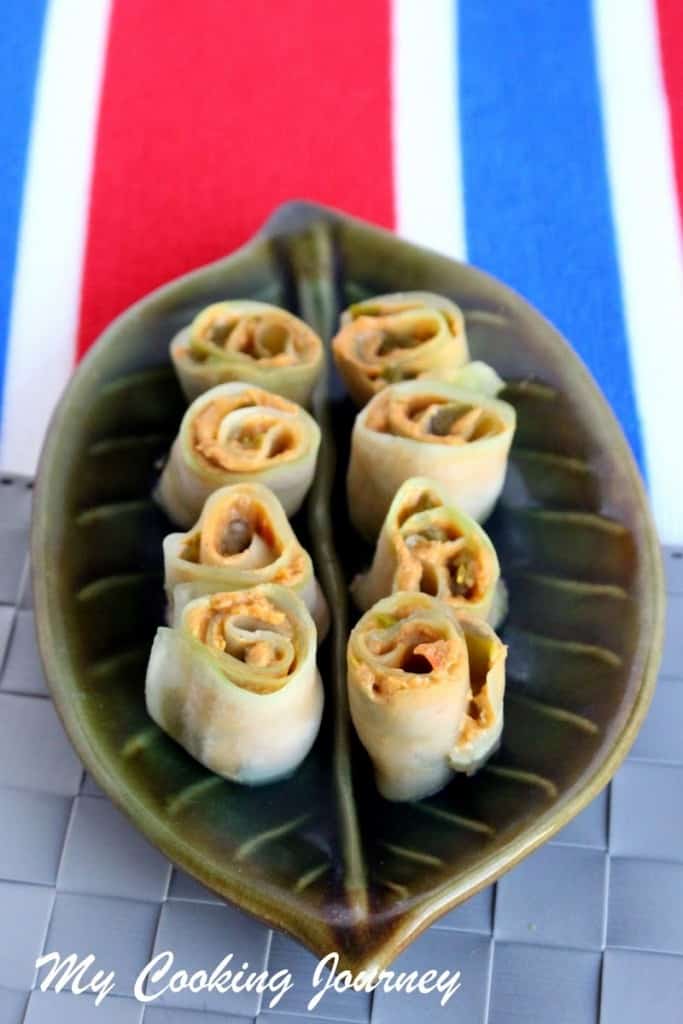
[(432, 429), (426, 688), (241, 539), (427, 545), (397, 337), (248, 341), (235, 682), (236, 433)]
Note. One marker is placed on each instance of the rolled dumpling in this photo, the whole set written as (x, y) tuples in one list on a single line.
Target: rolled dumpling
[(426, 692), (248, 341), (238, 433), (242, 539), (429, 546), (433, 429), (235, 682), (397, 337)]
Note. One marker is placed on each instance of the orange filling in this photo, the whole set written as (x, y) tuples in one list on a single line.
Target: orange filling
[(372, 341), (440, 562), (480, 713), (433, 418), (258, 439), (273, 338), (235, 624), (232, 530), (413, 655)]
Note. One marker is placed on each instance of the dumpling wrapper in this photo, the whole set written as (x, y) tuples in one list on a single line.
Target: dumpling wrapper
[(241, 539), (476, 376), (397, 337), (426, 690), (427, 545), (479, 736), (431, 429), (238, 433), (248, 341), (235, 683)]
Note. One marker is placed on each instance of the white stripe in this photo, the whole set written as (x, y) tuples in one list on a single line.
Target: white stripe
[(427, 166), (648, 235), (45, 302)]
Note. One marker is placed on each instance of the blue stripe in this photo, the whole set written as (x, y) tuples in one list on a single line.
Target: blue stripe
[(21, 28), (537, 201)]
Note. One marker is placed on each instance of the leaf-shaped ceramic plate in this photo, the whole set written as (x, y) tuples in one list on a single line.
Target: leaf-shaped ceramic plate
[(321, 855)]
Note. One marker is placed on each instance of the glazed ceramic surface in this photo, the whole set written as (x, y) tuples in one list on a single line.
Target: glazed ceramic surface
[(321, 854)]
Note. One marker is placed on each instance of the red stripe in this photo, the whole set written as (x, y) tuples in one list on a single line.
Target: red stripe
[(213, 112), (671, 44)]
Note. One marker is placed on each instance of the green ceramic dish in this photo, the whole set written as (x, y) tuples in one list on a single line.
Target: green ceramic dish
[(321, 855)]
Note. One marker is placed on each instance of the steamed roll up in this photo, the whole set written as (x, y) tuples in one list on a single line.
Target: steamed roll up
[(242, 539), (426, 692), (433, 429), (248, 341), (429, 546), (236, 683), (238, 433), (397, 337)]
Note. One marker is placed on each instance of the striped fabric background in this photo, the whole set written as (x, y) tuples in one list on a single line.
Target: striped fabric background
[(541, 141)]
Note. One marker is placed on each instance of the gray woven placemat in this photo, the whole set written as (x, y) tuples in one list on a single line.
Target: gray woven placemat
[(588, 929)]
